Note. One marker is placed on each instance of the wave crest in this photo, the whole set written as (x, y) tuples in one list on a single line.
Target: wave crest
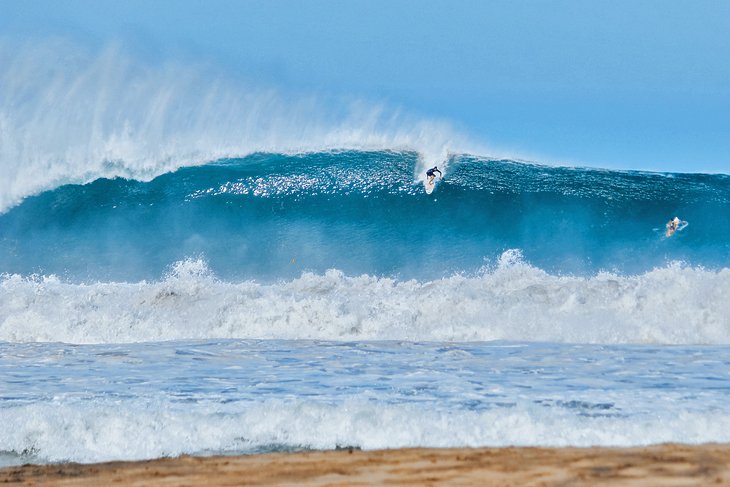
[(67, 115)]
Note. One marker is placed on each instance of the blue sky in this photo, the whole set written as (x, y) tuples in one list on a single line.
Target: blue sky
[(621, 84)]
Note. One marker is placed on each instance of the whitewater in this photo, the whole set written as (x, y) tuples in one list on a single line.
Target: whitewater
[(245, 272)]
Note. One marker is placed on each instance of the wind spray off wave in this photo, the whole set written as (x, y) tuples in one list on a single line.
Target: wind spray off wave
[(71, 116)]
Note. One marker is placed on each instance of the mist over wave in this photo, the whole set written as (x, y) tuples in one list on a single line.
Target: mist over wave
[(69, 115), (513, 301)]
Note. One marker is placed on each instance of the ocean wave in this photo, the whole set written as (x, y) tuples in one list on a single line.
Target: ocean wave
[(271, 216), (103, 431), (676, 304), (68, 115)]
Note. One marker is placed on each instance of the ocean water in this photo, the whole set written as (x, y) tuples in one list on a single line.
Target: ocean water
[(321, 299)]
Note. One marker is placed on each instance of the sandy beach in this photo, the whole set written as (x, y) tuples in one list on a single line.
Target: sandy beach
[(661, 465)]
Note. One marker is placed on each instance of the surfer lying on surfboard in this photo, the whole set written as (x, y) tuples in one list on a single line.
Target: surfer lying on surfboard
[(431, 174), (675, 224)]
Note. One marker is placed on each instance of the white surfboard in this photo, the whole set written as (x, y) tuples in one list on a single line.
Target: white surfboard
[(430, 186)]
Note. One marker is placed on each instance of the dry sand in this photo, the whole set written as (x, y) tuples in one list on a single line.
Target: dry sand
[(661, 465)]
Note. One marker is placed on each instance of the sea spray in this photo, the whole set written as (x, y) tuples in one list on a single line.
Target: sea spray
[(71, 116)]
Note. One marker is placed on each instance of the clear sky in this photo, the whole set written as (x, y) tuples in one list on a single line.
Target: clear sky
[(620, 84)]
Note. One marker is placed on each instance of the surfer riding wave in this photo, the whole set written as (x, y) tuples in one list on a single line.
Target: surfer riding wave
[(431, 174)]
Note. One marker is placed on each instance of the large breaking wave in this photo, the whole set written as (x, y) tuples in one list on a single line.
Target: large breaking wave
[(271, 216), (70, 115)]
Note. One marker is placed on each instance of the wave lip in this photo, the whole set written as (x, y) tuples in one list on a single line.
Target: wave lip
[(515, 301)]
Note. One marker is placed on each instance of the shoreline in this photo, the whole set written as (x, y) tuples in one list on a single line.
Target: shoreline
[(666, 464)]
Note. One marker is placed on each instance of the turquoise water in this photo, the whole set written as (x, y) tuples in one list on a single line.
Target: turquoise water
[(268, 217)]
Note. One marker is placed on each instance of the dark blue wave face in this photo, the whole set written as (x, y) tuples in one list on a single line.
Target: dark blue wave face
[(270, 217)]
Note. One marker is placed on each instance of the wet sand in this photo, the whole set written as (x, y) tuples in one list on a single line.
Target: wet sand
[(661, 465)]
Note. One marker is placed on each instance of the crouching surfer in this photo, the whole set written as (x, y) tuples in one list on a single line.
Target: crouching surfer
[(431, 174)]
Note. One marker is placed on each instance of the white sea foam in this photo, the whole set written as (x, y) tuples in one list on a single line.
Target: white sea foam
[(91, 432), (68, 115), (512, 301)]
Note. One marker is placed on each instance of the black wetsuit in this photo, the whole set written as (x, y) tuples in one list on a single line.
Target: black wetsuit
[(430, 172)]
